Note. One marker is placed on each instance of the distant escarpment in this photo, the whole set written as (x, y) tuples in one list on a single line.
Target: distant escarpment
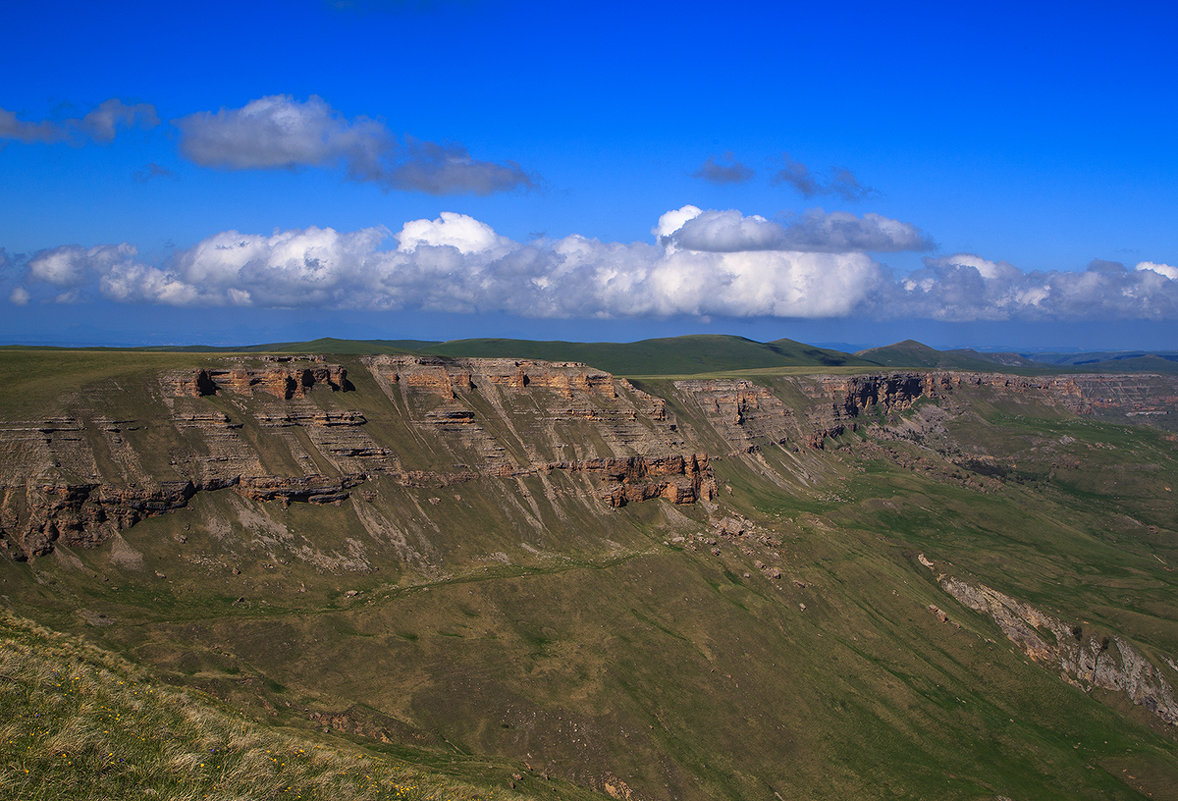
[(811, 409), (298, 429), (840, 401)]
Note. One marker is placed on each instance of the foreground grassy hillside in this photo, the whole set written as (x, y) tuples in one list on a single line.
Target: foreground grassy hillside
[(784, 638), (82, 723)]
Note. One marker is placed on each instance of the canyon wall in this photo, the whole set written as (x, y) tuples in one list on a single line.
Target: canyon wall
[(295, 429), (298, 429)]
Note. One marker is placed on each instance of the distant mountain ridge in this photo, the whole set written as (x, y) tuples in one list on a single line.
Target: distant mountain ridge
[(911, 353), (685, 355), (1128, 361), (716, 353)]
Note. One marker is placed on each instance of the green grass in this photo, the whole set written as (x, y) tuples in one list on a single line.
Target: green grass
[(689, 355), (911, 353), (79, 723), (672, 356)]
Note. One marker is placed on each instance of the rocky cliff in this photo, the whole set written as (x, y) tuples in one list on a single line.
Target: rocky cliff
[(282, 429)]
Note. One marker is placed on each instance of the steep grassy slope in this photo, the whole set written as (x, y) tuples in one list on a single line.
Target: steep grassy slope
[(774, 639), (81, 723)]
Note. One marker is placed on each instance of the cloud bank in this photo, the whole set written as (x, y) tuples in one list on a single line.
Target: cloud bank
[(966, 287), (700, 263), (279, 132), (100, 124)]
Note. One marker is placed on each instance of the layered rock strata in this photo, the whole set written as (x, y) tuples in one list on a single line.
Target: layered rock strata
[(745, 415), (272, 430), (283, 380), (841, 400), (1088, 659)]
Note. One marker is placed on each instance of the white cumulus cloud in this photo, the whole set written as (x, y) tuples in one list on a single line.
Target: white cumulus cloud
[(671, 221), (1161, 269), (70, 265), (459, 231), (704, 263), (968, 287)]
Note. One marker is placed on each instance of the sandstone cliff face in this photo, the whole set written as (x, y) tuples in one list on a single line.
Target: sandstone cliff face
[(509, 414), (1087, 659), (282, 428), (747, 415), (679, 479), (284, 378), (447, 377), (274, 429), (744, 414), (840, 400)]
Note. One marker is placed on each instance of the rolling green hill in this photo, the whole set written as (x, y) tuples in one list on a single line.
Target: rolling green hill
[(674, 356), (706, 354), (324, 345), (1165, 362), (911, 353), (670, 356)]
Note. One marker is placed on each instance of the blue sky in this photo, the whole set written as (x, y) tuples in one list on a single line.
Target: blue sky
[(996, 176)]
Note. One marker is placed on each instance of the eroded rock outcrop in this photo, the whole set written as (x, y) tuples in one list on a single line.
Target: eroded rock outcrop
[(36, 516), (678, 479), (1088, 659), (841, 400), (283, 378), (506, 414), (447, 377)]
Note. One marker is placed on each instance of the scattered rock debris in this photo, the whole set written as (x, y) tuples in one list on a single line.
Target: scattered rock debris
[(938, 613)]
